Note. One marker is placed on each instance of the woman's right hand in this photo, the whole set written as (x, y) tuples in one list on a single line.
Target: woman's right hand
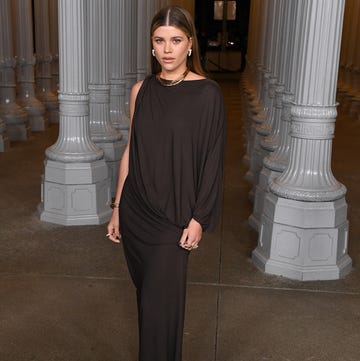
[(113, 227)]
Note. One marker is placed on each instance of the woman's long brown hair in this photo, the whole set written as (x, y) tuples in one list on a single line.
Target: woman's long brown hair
[(179, 18)]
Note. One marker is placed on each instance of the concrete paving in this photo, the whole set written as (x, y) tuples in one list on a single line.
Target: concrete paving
[(65, 294)]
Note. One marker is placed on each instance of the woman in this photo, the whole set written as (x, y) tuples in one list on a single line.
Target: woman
[(169, 186)]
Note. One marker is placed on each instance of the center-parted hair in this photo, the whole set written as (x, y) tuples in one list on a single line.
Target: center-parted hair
[(180, 18)]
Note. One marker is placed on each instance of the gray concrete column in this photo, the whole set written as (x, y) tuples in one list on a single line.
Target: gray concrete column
[(252, 55), (158, 4), (269, 61), (250, 96), (54, 45), (15, 117), (270, 143), (277, 161), (4, 139), (23, 30), (347, 79), (143, 42), (102, 131), (76, 186), (355, 105), (258, 89), (150, 8), (262, 54), (345, 44), (304, 227), (131, 49), (118, 115), (264, 118), (351, 100), (44, 59)]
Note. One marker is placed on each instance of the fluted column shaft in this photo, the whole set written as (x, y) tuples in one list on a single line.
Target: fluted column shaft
[(118, 115), (131, 49), (349, 79), (54, 45), (264, 117), (357, 48), (143, 36), (23, 29), (252, 32), (272, 141), (314, 110), (14, 116), (278, 160), (269, 65), (44, 59), (252, 54), (353, 34), (102, 131), (99, 86), (261, 50), (4, 139), (151, 10), (349, 34)]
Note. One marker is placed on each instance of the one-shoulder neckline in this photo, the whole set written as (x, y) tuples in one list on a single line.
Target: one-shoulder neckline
[(185, 81), (193, 80)]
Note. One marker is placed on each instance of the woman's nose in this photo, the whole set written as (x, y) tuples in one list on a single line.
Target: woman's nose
[(168, 47)]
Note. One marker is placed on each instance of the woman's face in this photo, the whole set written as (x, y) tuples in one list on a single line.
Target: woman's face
[(171, 47)]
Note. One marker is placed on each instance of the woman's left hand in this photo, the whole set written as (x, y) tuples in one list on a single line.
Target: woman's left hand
[(191, 235)]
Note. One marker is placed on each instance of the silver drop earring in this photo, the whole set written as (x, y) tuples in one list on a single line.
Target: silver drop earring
[(153, 52), (190, 51)]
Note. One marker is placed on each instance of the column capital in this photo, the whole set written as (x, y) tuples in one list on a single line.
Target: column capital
[(43, 59), (7, 62), (22, 61)]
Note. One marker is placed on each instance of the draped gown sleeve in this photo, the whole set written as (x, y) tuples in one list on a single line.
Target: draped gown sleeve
[(209, 191)]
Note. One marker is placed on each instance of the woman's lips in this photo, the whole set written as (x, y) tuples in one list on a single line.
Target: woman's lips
[(168, 60)]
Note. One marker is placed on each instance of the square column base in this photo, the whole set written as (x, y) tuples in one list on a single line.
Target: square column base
[(75, 193), (113, 152), (54, 116), (38, 123), (18, 132), (4, 143), (304, 241)]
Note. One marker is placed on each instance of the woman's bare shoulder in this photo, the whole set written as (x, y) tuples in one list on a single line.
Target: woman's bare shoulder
[(136, 87), (193, 76)]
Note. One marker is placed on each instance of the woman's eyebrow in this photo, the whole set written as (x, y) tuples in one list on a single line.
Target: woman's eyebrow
[(173, 37)]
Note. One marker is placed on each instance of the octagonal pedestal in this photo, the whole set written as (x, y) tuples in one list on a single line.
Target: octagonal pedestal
[(303, 240)]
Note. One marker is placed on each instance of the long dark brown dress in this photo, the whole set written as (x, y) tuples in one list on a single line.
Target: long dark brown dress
[(175, 174)]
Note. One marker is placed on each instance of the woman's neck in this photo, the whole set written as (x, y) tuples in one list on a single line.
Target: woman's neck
[(172, 75)]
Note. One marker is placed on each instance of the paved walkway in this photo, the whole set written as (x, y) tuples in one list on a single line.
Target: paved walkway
[(65, 294)]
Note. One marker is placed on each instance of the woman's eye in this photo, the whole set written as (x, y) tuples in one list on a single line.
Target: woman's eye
[(176, 41), (158, 41)]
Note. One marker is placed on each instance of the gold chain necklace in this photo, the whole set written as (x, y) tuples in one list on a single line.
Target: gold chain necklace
[(167, 82)]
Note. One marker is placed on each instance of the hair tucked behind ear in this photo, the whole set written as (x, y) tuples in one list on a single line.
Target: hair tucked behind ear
[(179, 18)]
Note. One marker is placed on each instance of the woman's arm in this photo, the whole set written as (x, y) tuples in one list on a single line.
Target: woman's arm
[(113, 227)]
